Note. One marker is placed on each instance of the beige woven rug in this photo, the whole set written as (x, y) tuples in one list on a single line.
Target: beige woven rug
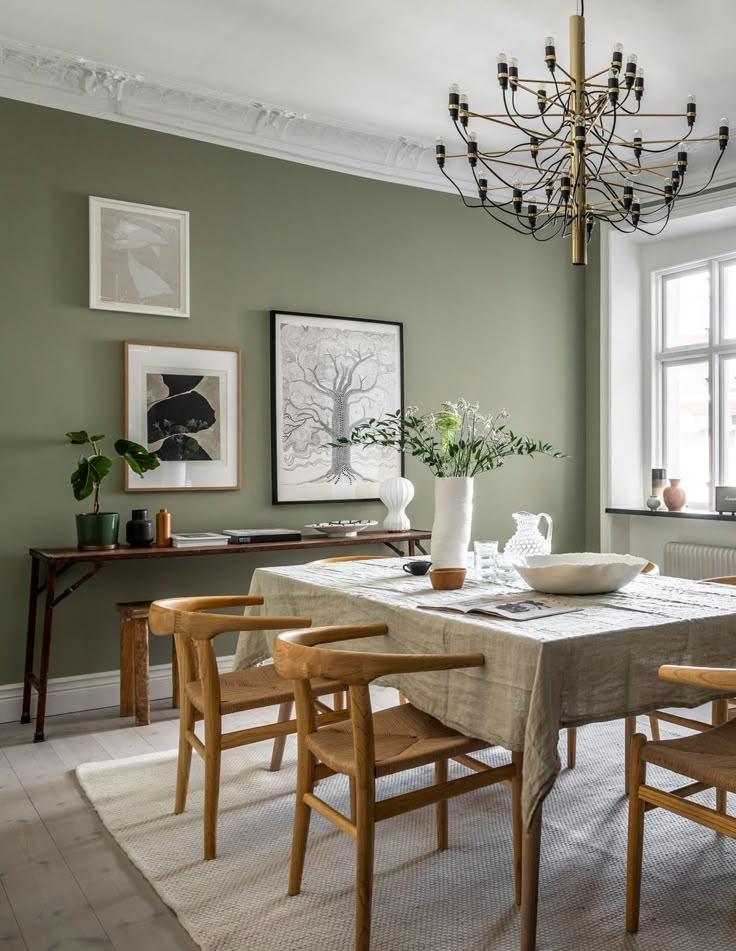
[(423, 900)]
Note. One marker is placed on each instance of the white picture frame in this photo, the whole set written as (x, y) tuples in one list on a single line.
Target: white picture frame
[(316, 360), (184, 403), (138, 258)]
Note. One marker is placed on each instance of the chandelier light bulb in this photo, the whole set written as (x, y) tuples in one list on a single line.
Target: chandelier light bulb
[(516, 184), (514, 62), (549, 41), (691, 99), (637, 134), (724, 121), (514, 73), (632, 58), (502, 70), (454, 89), (501, 58), (463, 104), (473, 136), (440, 140), (618, 48)]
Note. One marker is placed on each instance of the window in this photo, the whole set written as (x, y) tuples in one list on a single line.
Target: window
[(695, 376)]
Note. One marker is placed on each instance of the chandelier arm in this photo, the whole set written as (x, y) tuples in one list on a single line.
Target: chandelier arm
[(500, 121), (522, 115), (525, 230), (708, 183), (460, 192)]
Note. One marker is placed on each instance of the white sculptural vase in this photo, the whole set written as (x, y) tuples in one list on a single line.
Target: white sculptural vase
[(453, 521), (396, 494)]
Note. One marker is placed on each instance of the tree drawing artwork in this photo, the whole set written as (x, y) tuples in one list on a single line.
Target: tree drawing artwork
[(333, 380)]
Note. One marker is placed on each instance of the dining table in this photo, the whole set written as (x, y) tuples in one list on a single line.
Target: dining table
[(595, 662)]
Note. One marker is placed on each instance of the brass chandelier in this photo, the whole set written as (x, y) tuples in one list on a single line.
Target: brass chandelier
[(574, 166)]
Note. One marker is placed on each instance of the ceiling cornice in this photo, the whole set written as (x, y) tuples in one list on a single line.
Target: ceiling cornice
[(52, 78)]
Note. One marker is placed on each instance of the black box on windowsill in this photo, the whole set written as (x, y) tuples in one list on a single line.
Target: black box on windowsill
[(726, 499)]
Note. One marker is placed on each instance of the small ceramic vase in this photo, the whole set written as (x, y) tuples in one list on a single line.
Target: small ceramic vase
[(654, 502), (396, 494), (659, 481), (674, 496), (139, 530)]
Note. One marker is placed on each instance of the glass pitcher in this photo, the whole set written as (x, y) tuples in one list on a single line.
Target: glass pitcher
[(528, 539)]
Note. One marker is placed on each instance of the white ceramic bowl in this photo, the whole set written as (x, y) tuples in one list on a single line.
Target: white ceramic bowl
[(343, 528), (579, 572)]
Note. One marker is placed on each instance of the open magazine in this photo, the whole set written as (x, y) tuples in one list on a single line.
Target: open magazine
[(521, 607)]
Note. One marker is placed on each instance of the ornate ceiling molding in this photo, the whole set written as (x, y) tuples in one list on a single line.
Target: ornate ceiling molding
[(53, 78)]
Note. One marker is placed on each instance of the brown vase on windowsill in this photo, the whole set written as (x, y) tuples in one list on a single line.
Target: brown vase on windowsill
[(674, 496)]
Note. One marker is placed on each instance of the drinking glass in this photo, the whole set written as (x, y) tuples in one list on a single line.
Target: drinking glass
[(486, 559)]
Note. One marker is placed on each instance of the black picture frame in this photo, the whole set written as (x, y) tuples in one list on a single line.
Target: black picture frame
[(280, 492)]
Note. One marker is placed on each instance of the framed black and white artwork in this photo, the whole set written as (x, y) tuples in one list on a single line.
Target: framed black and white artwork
[(138, 258), (328, 374), (183, 403)]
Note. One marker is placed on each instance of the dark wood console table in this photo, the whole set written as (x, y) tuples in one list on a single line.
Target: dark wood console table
[(59, 560)]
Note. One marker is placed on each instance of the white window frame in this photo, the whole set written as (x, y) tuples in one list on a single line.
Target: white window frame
[(717, 349)]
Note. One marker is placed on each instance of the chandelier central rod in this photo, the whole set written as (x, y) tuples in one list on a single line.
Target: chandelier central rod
[(577, 88)]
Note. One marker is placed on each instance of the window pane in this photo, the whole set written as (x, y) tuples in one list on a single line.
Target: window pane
[(686, 308), (729, 419), (687, 439), (729, 299)]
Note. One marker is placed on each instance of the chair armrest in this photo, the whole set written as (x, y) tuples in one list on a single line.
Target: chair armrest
[(715, 678), (203, 627)]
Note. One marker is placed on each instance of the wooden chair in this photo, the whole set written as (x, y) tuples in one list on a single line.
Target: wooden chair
[(205, 694), (374, 745), (708, 758)]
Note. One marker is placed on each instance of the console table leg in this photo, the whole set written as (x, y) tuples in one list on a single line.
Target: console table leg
[(43, 674), (412, 547), (30, 640)]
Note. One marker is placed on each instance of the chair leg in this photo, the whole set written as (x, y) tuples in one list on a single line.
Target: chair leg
[(629, 731), (516, 822), (302, 814), (572, 746), (184, 762), (174, 675), (365, 840), (636, 834), (440, 776), (720, 715), (338, 701), (279, 743), (352, 799), (654, 727), (212, 756)]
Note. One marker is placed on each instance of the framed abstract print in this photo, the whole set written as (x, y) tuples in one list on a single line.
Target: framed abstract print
[(183, 403), (138, 258), (327, 375)]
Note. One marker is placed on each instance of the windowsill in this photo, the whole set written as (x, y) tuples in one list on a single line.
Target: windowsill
[(663, 513)]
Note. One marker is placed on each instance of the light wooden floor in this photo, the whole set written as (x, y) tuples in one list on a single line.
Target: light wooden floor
[(64, 883)]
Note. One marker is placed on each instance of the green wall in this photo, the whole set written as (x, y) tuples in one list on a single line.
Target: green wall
[(487, 315)]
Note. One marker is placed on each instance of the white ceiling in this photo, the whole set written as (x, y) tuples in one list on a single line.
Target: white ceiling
[(384, 65)]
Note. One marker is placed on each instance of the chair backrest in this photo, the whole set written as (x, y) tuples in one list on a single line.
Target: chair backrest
[(300, 656), (194, 629), (325, 561), (727, 579), (648, 568)]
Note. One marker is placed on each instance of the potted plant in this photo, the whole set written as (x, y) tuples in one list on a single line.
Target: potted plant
[(98, 530), (455, 444)]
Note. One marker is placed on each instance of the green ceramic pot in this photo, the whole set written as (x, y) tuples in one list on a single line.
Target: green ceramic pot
[(97, 532)]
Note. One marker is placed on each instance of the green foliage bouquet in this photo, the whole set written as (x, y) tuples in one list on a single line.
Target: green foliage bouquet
[(457, 441)]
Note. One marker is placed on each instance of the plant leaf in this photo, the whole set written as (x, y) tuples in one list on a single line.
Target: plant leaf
[(89, 472), (79, 438), (138, 457)]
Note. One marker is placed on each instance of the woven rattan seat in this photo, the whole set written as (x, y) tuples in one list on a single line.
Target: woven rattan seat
[(708, 757), (254, 687), (404, 739)]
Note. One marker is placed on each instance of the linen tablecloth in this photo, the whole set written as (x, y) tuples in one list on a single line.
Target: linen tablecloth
[(596, 663)]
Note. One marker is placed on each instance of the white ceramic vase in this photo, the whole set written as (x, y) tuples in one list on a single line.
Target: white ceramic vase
[(396, 494), (453, 521)]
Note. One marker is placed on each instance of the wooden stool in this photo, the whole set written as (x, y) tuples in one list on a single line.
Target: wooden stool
[(134, 673)]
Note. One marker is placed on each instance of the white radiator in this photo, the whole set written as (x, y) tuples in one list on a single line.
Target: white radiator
[(683, 560)]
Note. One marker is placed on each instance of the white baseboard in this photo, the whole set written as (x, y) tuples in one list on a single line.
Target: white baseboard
[(87, 691)]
